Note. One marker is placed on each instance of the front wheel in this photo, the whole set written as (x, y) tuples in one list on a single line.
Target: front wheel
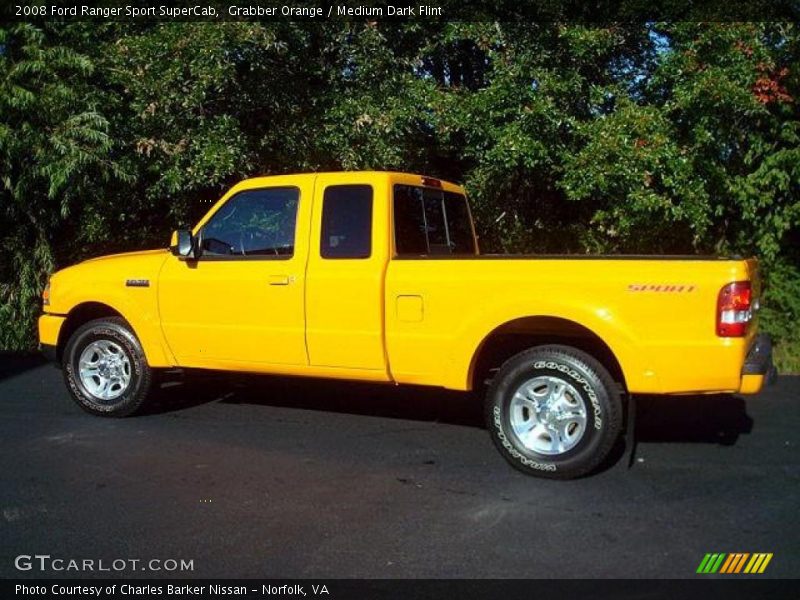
[(554, 411), (105, 368)]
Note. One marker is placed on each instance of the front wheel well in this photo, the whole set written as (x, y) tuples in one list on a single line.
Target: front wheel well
[(521, 334), (79, 315)]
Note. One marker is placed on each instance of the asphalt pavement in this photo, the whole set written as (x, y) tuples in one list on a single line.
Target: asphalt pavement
[(273, 477)]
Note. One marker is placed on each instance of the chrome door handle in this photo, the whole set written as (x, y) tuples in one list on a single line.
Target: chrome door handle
[(280, 279)]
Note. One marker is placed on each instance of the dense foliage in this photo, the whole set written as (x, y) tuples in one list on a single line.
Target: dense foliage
[(643, 138)]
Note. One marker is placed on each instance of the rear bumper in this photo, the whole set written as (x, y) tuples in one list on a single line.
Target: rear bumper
[(758, 369)]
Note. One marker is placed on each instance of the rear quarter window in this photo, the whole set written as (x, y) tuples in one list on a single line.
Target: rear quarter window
[(431, 222)]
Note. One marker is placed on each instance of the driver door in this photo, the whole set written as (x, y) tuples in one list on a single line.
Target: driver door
[(241, 303)]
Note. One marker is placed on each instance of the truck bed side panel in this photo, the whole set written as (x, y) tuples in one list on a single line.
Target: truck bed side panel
[(657, 317)]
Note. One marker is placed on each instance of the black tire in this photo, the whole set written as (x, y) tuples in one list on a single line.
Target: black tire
[(117, 331), (587, 379)]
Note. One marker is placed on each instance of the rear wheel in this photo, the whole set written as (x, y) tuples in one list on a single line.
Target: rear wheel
[(105, 368), (554, 411)]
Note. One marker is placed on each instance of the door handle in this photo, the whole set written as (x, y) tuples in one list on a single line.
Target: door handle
[(280, 279)]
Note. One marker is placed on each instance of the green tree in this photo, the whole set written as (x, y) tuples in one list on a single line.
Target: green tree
[(665, 137), (54, 149)]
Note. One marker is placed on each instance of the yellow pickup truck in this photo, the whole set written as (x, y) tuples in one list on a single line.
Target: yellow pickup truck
[(377, 276)]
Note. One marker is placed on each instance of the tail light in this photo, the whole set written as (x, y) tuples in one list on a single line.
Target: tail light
[(734, 309), (46, 295)]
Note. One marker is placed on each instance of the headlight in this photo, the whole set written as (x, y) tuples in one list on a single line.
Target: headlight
[(46, 294)]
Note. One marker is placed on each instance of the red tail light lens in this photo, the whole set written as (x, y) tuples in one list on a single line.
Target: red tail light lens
[(734, 309)]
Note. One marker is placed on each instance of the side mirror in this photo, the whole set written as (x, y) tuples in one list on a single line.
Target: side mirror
[(183, 244)]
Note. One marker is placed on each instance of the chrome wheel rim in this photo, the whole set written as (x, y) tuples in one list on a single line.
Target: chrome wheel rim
[(547, 415), (104, 370)]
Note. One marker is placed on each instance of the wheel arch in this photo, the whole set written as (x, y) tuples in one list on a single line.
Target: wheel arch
[(78, 316), (88, 310), (518, 334)]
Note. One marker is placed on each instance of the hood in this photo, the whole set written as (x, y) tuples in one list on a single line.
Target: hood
[(128, 265), (127, 255)]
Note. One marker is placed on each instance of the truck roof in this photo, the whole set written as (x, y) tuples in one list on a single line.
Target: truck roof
[(360, 177)]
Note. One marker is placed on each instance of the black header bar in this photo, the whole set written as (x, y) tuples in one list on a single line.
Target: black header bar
[(594, 11)]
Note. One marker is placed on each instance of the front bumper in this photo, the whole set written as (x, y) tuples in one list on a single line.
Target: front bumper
[(758, 369), (49, 352), (49, 330)]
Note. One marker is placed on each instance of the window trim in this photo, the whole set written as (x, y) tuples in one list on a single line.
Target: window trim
[(229, 257), (371, 221)]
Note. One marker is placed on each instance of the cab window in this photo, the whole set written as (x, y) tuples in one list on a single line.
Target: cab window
[(346, 222), (253, 223)]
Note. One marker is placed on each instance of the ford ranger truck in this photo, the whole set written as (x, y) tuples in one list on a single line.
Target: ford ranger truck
[(377, 276)]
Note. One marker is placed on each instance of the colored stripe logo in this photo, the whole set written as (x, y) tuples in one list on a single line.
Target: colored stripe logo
[(737, 562)]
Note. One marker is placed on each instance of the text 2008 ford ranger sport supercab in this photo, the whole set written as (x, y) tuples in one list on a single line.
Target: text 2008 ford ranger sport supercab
[(377, 276)]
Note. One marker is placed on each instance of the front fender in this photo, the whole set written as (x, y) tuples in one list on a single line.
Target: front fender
[(105, 281), (142, 319)]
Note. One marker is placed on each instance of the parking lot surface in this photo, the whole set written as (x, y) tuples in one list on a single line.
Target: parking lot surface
[(271, 477)]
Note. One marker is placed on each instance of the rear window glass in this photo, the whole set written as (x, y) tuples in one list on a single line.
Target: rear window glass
[(429, 221)]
